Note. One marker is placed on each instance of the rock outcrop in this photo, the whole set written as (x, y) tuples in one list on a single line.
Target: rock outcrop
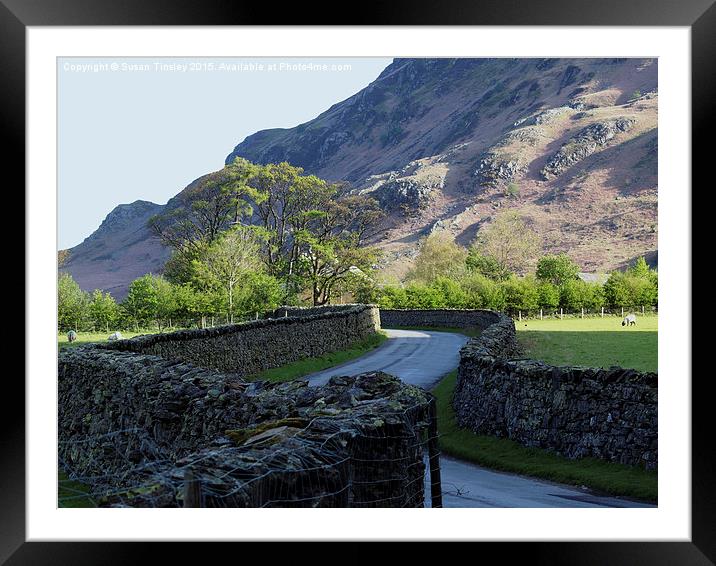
[(585, 143)]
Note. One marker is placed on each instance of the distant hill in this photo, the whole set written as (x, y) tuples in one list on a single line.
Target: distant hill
[(445, 144), (120, 250)]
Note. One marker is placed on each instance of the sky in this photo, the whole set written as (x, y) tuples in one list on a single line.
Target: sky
[(144, 128)]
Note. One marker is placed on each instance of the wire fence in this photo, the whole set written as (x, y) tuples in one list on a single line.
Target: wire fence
[(601, 312), (372, 455)]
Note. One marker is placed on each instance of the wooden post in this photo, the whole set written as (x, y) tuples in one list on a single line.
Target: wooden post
[(561, 313), (642, 309), (602, 312), (519, 314), (436, 492), (193, 496), (540, 314), (582, 312)]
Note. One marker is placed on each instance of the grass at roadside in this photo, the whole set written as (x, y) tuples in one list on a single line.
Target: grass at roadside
[(72, 493), (307, 366), (509, 456), (594, 342)]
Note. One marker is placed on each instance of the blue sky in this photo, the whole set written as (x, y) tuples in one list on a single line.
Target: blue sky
[(144, 128)]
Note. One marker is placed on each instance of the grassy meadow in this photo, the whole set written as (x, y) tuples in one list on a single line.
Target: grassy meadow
[(595, 342)]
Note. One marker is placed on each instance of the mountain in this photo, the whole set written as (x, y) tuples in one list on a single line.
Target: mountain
[(445, 144), (120, 250)]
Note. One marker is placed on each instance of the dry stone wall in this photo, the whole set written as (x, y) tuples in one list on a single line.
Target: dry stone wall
[(578, 412), (447, 318), (133, 425), (252, 347)]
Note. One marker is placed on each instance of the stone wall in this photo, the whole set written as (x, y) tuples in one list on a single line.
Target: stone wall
[(132, 425), (575, 411), (252, 347), (449, 318)]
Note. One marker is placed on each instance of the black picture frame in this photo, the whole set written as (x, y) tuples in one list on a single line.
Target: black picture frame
[(699, 15)]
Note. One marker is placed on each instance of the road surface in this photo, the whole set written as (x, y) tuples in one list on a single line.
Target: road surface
[(417, 357), (421, 358)]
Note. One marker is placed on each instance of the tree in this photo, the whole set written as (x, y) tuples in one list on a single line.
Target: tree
[(332, 243), (439, 256), (485, 265), (258, 293), (72, 304), (520, 294), (483, 292), (211, 204), (557, 269), (232, 257), (640, 268), (509, 241), (392, 297), (103, 309), (548, 295), (454, 296)]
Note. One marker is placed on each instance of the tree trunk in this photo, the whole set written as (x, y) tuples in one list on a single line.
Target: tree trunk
[(231, 305)]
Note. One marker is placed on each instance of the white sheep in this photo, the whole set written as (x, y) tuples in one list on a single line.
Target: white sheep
[(71, 336), (115, 336), (629, 320)]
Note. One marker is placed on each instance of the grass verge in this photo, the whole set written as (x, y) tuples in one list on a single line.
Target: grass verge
[(72, 493), (509, 456), (307, 366)]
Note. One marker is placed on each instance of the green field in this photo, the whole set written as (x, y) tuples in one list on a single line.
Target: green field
[(90, 337), (595, 342)]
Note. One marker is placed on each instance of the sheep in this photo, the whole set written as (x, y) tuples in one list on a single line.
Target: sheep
[(115, 336), (629, 320), (71, 336)]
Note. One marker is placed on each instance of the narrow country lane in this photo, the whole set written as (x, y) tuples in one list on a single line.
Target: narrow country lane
[(417, 357), (421, 358)]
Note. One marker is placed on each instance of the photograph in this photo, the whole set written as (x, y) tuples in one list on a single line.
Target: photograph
[(291, 282), (357, 282)]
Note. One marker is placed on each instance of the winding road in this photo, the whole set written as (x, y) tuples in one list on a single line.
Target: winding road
[(423, 357)]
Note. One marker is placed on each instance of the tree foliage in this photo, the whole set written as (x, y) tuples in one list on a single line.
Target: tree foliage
[(509, 241), (557, 269), (439, 256)]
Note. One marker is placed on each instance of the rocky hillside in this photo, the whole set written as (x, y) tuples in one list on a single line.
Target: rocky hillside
[(120, 250), (444, 144)]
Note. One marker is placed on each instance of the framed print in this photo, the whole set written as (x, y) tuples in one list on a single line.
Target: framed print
[(279, 272)]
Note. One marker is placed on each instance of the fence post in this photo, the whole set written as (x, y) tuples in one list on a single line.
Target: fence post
[(436, 495), (561, 313), (582, 312), (193, 496), (622, 312), (602, 312), (540, 314), (519, 314), (642, 309)]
